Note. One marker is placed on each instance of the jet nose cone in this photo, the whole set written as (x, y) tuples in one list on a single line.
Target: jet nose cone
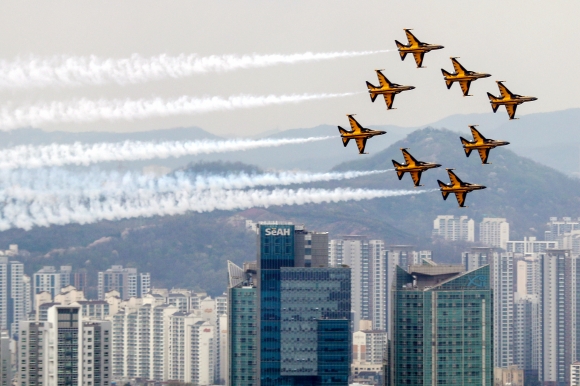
[(437, 165), (486, 75), (507, 143), (411, 87), (483, 187), (534, 99)]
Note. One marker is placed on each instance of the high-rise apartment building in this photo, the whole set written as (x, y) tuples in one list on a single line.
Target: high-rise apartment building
[(13, 301), (368, 352), (51, 280), (442, 328), (301, 315), (530, 245), (127, 281), (5, 359), (557, 228), (454, 228), (368, 263), (494, 232), (64, 350)]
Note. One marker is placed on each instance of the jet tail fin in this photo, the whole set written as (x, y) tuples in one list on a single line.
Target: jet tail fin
[(449, 83), (401, 45), (444, 193), (371, 91), (465, 142), (344, 140), (492, 98), (400, 174)]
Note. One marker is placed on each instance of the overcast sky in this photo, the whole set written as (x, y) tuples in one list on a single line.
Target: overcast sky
[(532, 45)]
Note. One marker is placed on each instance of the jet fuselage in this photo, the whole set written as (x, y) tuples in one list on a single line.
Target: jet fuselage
[(470, 76), (465, 188), (396, 89), (516, 100), (488, 144), (419, 167), (367, 133), (410, 49)]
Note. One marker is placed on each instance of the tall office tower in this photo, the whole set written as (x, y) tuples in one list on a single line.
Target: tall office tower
[(530, 245), (494, 232), (127, 281), (303, 315), (140, 342), (454, 228), (310, 248), (5, 359), (242, 325), (502, 281), (12, 294), (442, 328), (404, 256), (557, 228), (64, 350), (353, 251)]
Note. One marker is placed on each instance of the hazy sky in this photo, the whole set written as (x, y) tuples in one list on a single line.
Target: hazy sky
[(532, 45)]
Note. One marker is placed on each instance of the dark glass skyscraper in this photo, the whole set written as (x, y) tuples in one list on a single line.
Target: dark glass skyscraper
[(442, 328), (302, 312)]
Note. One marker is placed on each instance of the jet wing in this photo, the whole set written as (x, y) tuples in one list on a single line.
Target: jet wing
[(409, 159), (461, 198), (418, 58), (459, 69), (389, 99), (411, 38), (505, 93), (416, 176), (455, 181), (511, 110), (477, 135), (465, 86), (483, 154), (383, 81), (354, 125), (361, 143)]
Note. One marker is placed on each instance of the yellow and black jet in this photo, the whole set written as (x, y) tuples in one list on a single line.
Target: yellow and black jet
[(358, 133), (461, 75), (481, 144), (508, 99), (415, 47), (386, 89), (458, 187), (414, 167)]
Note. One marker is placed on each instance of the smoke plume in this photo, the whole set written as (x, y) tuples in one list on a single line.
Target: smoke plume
[(63, 182), (70, 71), (24, 208), (30, 156), (85, 110)]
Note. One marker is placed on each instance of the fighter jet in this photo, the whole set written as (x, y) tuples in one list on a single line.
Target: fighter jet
[(415, 47), (387, 89), (461, 75), (458, 187), (508, 99), (414, 167), (358, 133), (481, 144)]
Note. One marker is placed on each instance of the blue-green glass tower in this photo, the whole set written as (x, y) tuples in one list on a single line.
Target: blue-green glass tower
[(442, 326), (303, 312)]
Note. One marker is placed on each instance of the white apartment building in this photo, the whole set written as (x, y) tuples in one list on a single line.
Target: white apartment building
[(191, 349), (5, 359), (454, 228), (64, 350), (494, 232), (575, 374), (127, 281), (558, 227), (378, 284), (530, 245), (369, 348), (13, 303)]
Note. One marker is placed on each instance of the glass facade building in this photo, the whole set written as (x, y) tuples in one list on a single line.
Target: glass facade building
[(290, 315), (442, 328)]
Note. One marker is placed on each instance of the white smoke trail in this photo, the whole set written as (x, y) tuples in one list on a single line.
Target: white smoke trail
[(63, 182), (30, 156), (73, 71), (27, 209), (85, 110)]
